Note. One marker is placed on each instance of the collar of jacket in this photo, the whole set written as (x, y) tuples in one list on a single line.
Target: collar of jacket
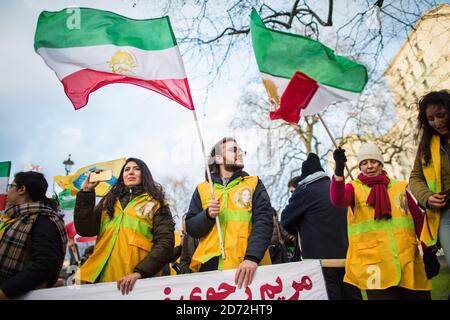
[(240, 173), (313, 178)]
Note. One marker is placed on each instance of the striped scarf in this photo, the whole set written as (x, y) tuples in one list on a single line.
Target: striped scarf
[(15, 229)]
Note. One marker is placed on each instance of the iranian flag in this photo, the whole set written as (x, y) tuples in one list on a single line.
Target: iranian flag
[(5, 170), (89, 48), (302, 76)]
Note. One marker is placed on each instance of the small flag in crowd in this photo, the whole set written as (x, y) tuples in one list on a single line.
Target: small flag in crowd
[(5, 170), (302, 76), (75, 181), (72, 234), (66, 200), (89, 48), (33, 167)]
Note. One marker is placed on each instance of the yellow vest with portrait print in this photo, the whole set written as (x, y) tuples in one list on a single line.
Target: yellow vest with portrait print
[(383, 253), (432, 173), (235, 222), (123, 241)]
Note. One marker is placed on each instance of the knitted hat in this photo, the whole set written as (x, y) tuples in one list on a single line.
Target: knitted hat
[(310, 165), (369, 151)]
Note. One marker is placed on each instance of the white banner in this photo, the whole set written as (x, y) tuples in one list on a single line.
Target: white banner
[(290, 281)]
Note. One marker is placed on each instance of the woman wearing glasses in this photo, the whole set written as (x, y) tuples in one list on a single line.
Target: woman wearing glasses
[(33, 238)]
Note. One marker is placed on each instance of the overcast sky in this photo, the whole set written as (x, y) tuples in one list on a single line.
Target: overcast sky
[(41, 127)]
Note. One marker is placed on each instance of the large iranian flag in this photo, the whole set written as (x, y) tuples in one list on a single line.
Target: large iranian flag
[(302, 76), (5, 170), (89, 48)]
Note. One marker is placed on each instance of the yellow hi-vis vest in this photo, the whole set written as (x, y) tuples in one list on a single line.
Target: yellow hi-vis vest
[(383, 253), (235, 222), (123, 241), (432, 173), (177, 243)]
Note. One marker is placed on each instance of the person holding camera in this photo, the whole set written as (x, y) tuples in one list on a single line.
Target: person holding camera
[(430, 178), (383, 257), (133, 225)]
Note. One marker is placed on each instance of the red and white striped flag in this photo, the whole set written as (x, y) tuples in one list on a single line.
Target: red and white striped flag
[(5, 170)]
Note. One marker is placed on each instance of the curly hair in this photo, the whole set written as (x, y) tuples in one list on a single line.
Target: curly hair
[(149, 185), (424, 130)]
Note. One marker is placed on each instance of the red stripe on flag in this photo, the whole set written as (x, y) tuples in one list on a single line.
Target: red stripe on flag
[(295, 97), (80, 84), (2, 201), (85, 239)]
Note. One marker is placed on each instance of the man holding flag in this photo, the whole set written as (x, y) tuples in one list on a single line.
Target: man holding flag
[(243, 207)]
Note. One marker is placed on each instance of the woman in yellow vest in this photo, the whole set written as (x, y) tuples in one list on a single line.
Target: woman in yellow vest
[(430, 177), (383, 256), (134, 228)]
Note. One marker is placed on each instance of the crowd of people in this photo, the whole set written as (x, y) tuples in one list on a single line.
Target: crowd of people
[(375, 233)]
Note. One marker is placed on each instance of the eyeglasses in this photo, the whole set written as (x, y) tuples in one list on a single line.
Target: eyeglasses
[(237, 150), (10, 185)]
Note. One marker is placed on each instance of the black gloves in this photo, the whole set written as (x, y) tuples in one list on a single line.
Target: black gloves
[(431, 262), (340, 159)]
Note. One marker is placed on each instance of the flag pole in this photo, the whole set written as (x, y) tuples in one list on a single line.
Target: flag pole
[(334, 141), (208, 172)]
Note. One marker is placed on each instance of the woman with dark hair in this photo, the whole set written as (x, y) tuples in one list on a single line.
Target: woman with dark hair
[(33, 238), (133, 225), (430, 177)]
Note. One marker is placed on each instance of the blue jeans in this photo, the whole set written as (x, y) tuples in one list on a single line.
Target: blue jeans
[(444, 234)]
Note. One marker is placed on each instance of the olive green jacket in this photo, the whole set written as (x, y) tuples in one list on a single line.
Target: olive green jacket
[(418, 184)]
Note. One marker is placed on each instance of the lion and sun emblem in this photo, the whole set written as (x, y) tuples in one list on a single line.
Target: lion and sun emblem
[(123, 62)]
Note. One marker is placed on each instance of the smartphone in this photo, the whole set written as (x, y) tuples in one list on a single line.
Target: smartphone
[(446, 192), (103, 175)]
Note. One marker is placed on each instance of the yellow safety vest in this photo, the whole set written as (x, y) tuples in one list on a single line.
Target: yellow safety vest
[(432, 173), (123, 241), (235, 222), (383, 253), (177, 243)]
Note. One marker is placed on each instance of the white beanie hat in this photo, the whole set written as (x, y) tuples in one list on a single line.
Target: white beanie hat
[(369, 151)]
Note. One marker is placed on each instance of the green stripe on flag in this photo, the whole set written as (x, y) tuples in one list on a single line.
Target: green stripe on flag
[(66, 200), (5, 168), (281, 54), (91, 27)]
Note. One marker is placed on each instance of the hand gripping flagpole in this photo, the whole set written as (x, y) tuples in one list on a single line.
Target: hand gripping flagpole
[(334, 142), (208, 172)]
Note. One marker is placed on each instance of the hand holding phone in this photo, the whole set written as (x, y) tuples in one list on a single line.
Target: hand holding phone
[(100, 175)]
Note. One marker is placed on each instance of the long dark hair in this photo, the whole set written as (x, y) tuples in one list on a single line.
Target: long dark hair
[(216, 150), (424, 130), (148, 184), (36, 187)]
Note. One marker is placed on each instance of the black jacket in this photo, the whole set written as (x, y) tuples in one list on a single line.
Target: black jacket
[(322, 226), (46, 255), (198, 223), (87, 223)]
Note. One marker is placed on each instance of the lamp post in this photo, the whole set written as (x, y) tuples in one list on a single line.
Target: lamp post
[(68, 163)]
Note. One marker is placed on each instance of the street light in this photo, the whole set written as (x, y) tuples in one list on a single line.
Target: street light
[(67, 164)]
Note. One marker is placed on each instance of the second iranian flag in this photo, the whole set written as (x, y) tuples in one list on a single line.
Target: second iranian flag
[(302, 76)]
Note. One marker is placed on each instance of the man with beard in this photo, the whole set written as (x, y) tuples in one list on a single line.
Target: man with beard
[(243, 206)]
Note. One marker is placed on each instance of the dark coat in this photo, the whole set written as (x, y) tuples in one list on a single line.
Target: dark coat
[(198, 222), (87, 223), (46, 257), (322, 226)]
